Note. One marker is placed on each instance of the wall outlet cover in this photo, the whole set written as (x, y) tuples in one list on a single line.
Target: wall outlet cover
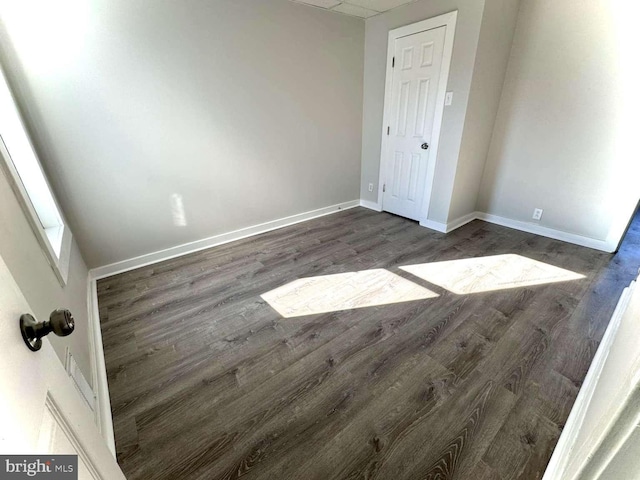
[(537, 214)]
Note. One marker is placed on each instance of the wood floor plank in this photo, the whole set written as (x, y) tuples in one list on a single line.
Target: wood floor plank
[(524, 444), (208, 381), (474, 423)]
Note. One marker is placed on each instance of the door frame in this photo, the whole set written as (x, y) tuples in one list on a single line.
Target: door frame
[(447, 20)]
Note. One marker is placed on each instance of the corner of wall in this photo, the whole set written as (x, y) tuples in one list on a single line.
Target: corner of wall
[(492, 57)]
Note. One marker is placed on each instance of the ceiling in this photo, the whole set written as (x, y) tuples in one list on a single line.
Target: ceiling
[(357, 8)]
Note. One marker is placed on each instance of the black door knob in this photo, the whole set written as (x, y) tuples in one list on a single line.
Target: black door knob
[(60, 322), (424, 146)]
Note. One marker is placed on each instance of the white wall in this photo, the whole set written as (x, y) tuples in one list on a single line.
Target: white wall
[(460, 75), (30, 268), (608, 434), (492, 57), (625, 464), (248, 111), (564, 135)]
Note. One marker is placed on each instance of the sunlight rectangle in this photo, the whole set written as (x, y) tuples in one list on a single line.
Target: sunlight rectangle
[(485, 274), (343, 291)]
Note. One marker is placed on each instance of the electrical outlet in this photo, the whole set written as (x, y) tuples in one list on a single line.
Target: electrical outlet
[(371, 187), (537, 214)]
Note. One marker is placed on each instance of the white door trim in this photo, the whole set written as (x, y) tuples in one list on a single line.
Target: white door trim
[(447, 20), (102, 411)]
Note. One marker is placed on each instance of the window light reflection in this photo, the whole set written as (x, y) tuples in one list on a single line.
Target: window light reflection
[(485, 274), (343, 291)]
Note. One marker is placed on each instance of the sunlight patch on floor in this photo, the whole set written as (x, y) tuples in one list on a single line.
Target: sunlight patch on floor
[(343, 291), (485, 274)]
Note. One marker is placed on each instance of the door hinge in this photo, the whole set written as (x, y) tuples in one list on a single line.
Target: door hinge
[(393, 62), (384, 187), (388, 130)]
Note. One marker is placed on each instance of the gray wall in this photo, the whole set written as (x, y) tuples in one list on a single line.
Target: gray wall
[(460, 74), (30, 268), (492, 57), (561, 139), (250, 111)]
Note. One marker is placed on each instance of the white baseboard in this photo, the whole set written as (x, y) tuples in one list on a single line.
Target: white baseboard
[(102, 410), (596, 244), (179, 250), (433, 225), (449, 226), (545, 231), (371, 205), (459, 222), (186, 248)]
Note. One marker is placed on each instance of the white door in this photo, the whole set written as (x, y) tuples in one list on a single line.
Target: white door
[(41, 412), (417, 63)]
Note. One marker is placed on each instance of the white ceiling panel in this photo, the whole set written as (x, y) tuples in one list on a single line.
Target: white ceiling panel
[(354, 10), (358, 8), (320, 3), (379, 5)]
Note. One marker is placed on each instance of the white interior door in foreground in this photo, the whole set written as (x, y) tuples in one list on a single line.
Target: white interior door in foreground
[(414, 96), (41, 412)]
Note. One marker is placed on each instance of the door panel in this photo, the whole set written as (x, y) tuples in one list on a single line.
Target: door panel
[(413, 105), (41, 412), (57, 437)]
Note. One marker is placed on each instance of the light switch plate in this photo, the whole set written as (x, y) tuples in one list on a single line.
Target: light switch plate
[(448, 98)]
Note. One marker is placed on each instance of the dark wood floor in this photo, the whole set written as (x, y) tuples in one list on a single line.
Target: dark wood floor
[(207, 381)]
